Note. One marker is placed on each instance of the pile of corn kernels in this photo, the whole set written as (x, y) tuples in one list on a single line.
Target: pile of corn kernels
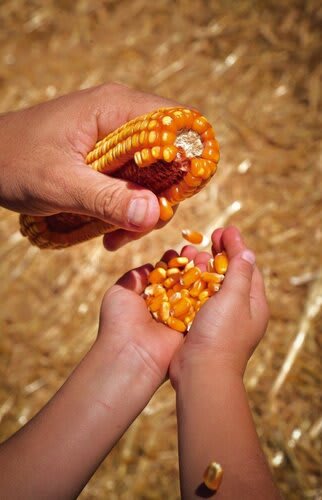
[(177, 289)]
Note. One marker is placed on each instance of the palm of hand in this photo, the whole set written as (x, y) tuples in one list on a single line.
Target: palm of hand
[(124, 316)]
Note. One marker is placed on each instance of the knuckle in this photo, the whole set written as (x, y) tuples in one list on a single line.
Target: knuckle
[(111, 87), (106, 202)]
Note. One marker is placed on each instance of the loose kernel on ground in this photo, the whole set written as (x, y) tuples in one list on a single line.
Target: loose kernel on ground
[(178, 289)]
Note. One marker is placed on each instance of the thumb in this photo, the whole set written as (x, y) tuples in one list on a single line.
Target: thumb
[(115, 201), (239, 275)]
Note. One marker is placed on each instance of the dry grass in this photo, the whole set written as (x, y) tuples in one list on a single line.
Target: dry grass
[(254, 69)]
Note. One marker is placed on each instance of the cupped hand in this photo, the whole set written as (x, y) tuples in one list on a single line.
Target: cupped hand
[(43, 151), (231, 323), (126, 322)]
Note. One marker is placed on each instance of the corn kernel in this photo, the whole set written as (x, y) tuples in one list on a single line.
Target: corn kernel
[(190, 276), (158, 275), (213, 476), (164, 311), (221, 263), (212, 277), (181, 307), (176, 324), (156, 303), (178, 261), (197, 288), (166, 211), (192, 236)]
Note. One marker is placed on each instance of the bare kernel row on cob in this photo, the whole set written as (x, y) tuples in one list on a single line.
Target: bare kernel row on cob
[(178, 289)]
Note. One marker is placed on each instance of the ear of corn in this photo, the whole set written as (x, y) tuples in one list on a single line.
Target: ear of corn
[(178, 289), (171, 151)]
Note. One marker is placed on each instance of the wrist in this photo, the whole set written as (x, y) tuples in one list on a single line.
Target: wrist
[(129, 364), (198, 362)]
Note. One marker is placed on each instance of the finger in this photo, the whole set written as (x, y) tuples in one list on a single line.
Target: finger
[(189, 251), (117, 239), (216, 238), (258, 300), (115, 201), (120, 237), (232, 241), (202, 259), (238, 279), (136, 279), (168, 255), (117, 103)]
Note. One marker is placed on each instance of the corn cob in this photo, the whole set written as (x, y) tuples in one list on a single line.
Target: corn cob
[(178, 289), (172, 151)]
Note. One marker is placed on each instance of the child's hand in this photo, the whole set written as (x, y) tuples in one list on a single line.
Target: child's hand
[(74, 432), (127, 325), (229, 326), (42, 164)]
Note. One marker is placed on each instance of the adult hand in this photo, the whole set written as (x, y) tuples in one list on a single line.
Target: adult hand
[(43, 151)]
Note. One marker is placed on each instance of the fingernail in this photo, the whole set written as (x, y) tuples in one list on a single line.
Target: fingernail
[(248, 256), (137, 211)]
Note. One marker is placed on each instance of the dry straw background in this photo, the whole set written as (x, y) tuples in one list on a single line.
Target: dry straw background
[(254, 68)]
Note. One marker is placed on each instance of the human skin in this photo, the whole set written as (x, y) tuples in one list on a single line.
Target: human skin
[(214, 419), (56, 453), (42, 163)]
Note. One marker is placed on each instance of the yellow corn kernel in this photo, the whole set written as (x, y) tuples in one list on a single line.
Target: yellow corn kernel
[(192, 236), (208, 134), (173, 271), (213, 287), (169, 153), (191, 180), (213, 476), (197, 288), (156, 303), (166, 211), (164, 311), (190, 276), (212, 277), (156, 152), (197, 306), (204, 295), (168, 137), (189, 319), (175, 297), (155, 289), (158, 275), (171, 281), (181, 307), (178, 261), (210, 151), (221, 263), (176, 324), (200, 124), (188, 266)]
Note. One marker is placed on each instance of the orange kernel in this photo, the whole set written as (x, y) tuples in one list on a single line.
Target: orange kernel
[(166, 211), (193, 237)]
